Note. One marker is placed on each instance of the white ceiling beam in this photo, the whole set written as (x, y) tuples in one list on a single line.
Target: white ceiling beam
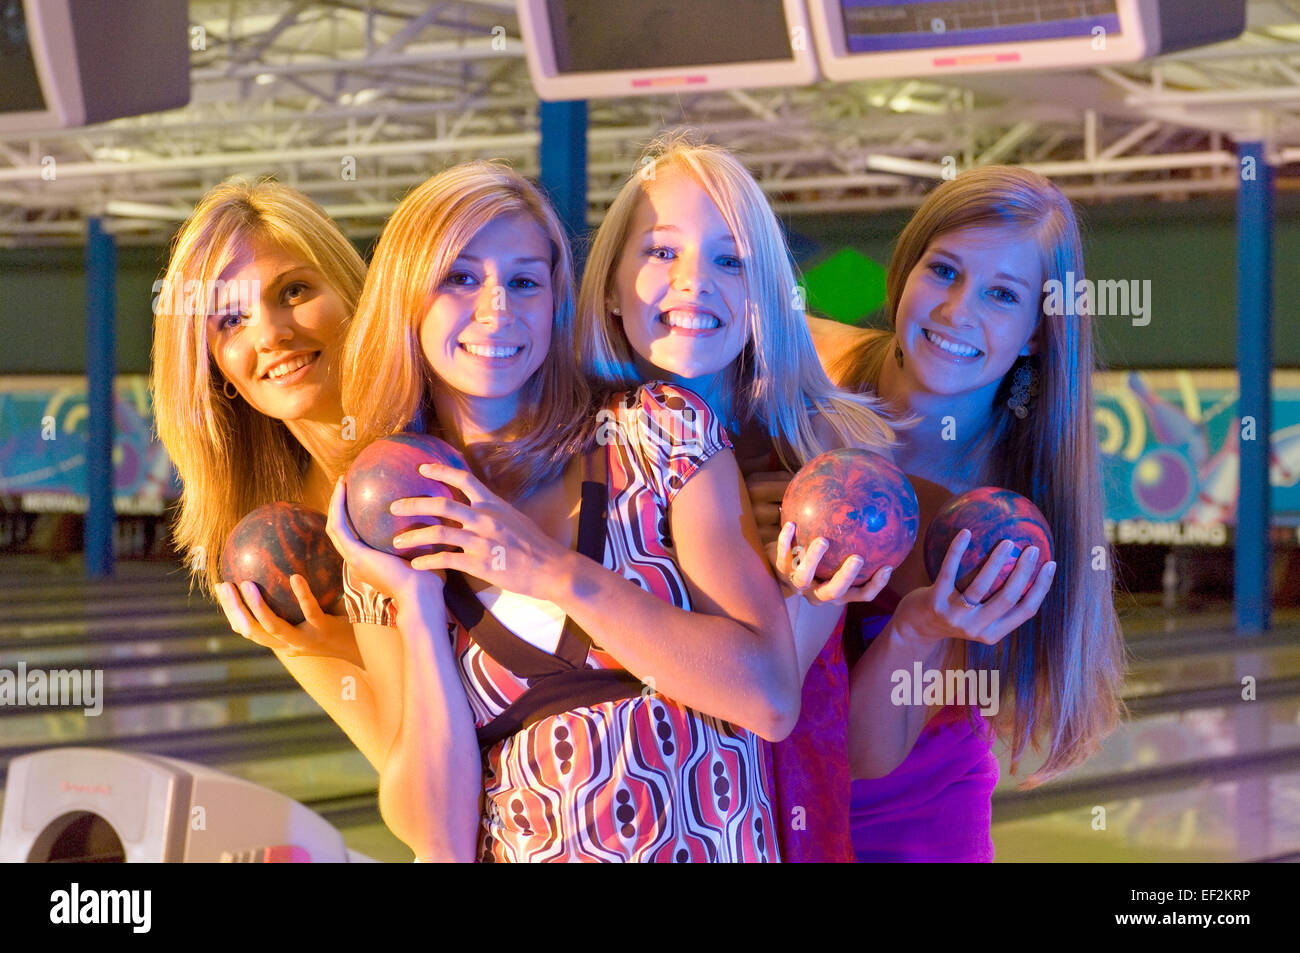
[(1128, 140), (1150, 163), (121, 208), (1217, 97), (1007, 143)]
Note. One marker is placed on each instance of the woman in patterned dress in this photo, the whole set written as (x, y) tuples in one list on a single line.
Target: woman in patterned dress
[(603, 704), (690, 280)]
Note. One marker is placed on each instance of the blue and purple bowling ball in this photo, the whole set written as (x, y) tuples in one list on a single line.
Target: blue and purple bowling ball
[(860, 503), (992, 514), (388, 470), (279, 540)]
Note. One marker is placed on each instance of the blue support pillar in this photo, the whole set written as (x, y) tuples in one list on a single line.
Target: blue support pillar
[(563, 160), (1254, 368), (101, 361)]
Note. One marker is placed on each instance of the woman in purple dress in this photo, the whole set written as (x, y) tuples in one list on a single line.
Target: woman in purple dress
[(1001, 384)]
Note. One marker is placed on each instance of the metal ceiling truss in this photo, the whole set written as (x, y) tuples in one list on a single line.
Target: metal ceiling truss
[(357, 101)]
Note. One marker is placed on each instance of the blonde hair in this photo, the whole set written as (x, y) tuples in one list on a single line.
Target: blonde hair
[(423, 238), (231, 458), (777, 379), (1063, 669)]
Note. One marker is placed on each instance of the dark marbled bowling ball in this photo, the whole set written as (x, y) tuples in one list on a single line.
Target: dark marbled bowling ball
[(388, 470), (276, 541), (860, 503), (992, 514)]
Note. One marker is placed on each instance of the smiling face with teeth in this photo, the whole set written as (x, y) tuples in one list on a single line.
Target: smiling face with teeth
[(969, 308), (275, 332), (679, 284), (488, 327)]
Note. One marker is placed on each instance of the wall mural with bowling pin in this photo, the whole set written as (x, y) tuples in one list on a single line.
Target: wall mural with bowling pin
[(43, 434), (1170, 443)]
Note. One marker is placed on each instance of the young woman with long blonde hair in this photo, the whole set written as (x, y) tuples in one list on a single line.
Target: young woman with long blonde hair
[(598, 704), (690, 280), (249, 324)]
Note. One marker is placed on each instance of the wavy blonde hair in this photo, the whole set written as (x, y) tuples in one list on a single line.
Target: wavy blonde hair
[(777, 380), (422, 240), (1062, 671), (231, 458)]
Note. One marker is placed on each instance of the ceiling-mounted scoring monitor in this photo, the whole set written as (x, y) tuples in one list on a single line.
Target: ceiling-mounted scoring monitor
[(75, 62), (593, 49), (869, 39)]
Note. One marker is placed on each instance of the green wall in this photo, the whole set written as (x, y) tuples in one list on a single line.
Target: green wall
[(43, 308), (1186, 249)]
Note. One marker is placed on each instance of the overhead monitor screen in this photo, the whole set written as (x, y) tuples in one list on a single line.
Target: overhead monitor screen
[(20, 88), (872, 26), (595, 36)]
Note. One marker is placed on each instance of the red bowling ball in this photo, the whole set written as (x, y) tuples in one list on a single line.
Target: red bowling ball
[(388, 470), (860, 503), (992, 514), (276, 541)]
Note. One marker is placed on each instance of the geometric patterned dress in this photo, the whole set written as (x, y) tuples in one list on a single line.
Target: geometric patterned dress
[(633, 778)]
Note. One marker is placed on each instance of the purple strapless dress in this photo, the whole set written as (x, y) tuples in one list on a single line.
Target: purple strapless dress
[(935, 807)]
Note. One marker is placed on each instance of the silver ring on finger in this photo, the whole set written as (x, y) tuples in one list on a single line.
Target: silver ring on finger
[(966, 602)]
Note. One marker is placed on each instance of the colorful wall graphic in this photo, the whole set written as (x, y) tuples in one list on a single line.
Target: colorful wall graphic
[(43, 436), (1170, 442)]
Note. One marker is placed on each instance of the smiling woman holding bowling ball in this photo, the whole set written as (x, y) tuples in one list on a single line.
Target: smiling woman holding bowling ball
[(245, 384), (1003, 393), (690, 280), (616, 644)]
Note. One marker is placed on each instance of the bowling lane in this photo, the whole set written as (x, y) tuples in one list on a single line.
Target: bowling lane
[(126, 715), (1158, 680), (178, 682), (1206, 768), (162, 625), (1247, 731), (29, 606), (1242, 820)]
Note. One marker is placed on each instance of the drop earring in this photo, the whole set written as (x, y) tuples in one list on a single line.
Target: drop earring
[(1024, 388)]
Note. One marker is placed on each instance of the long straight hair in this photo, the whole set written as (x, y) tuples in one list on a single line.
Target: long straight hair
[(387, 383), (1061, 671), (777, 380), (231, 458)]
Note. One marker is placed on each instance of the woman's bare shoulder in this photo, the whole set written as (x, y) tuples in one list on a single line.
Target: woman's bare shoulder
[(833, 340)]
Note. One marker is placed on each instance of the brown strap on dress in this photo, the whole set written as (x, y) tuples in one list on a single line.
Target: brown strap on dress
[(557, 682)]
